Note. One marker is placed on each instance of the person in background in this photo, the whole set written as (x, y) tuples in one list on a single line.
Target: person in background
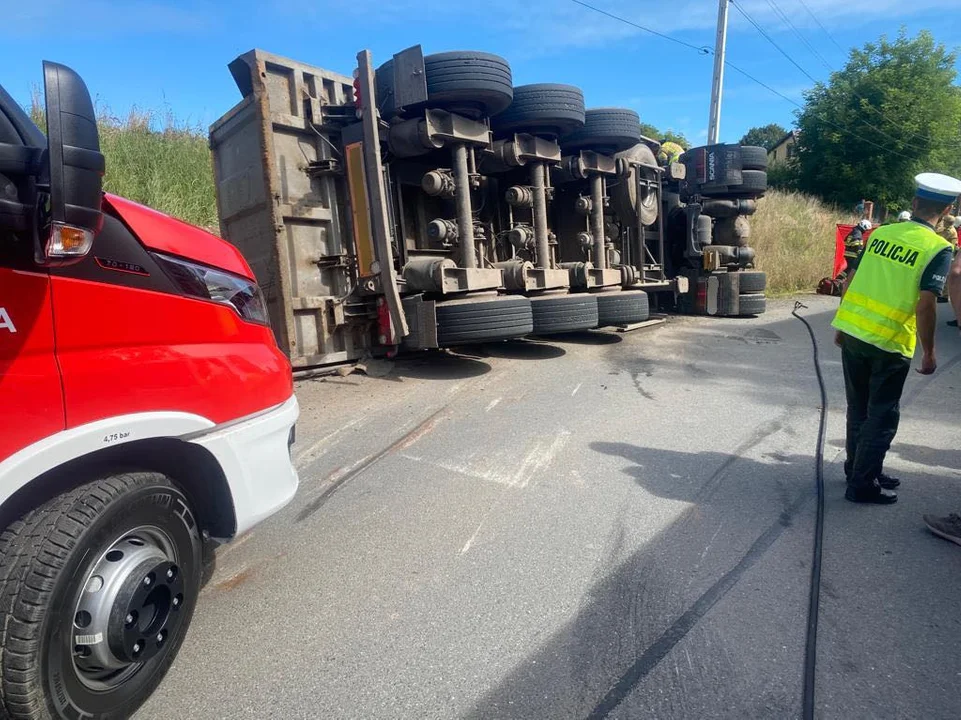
[(888, 301), (670, 152), (949, 526), (948, 229), (904, 216), (853, 245)]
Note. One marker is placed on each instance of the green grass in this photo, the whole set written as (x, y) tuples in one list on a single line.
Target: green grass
[(156, 161), (793, 235)]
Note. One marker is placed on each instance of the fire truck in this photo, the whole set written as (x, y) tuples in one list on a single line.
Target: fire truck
[(126, 450)]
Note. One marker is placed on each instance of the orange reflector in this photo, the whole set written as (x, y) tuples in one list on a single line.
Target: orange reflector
[(68, 241)]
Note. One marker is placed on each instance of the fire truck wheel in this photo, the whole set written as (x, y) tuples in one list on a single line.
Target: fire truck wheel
[(483, 319), (753, 157), (622, 307), (751, 281), (608, 129), (564, 313), (542, 108), (97, 589), (751, 304)]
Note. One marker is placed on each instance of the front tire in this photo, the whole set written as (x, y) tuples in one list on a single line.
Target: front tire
[(97, 590)]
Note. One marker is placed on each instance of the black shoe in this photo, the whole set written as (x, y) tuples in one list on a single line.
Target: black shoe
[(952, 323), (871, 495), (888, 482)]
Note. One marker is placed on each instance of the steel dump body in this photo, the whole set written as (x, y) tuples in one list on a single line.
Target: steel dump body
[(281, 205)]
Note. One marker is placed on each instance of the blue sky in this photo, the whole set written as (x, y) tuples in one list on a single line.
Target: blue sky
[(172, 55)]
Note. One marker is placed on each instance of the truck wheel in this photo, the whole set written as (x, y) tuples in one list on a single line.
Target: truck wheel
[(611, 129), (475, 320), (628, 199), (751, 304), (622, 307), (753, 157), (751, 281), (564, 313), (472, 83), (97, 589), (543, 108), (475, 83), (753, 184)]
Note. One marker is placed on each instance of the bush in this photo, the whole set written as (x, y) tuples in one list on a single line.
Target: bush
[(793, 235), (155, 161)]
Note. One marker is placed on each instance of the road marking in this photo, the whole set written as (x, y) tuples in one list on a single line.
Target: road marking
[(472, 538), (576, 389), (493, 404)]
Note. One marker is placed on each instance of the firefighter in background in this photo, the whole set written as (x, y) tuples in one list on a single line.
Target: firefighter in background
[(853, 245), (948, 229), (904, 216), (889, 302), (670, 152)]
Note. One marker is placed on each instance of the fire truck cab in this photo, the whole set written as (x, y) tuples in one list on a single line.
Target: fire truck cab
[(146, 413)]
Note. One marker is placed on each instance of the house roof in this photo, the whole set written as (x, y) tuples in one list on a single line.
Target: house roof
[(791, 135)]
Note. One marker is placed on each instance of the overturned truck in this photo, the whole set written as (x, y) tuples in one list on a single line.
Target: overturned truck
[(430, 203)]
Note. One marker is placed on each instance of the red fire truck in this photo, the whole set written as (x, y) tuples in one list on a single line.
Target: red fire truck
[(146, 413)]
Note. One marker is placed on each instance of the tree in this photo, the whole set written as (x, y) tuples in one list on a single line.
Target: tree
[(650, 131), (767, 136), (893, 111)]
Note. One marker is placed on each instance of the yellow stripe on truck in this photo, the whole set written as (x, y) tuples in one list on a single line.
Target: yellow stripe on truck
[(360, 209)]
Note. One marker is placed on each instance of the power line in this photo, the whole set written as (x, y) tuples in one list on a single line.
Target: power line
[(704, 50), (771, 40), (865, 102), (830, 36), (783, 15)]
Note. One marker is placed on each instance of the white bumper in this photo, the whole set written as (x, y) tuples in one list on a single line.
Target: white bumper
[(255, 458)]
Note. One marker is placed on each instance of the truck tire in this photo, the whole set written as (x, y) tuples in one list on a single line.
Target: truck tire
[(753, 157), (753, 184), (609, 129), (476, 84), (751, 281), (628, 199), (476, 320), (77, 612), (564, 313), (543, 108), (751, 304), (622, 307)]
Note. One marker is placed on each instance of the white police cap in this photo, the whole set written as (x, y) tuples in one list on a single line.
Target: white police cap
[(938, 187)]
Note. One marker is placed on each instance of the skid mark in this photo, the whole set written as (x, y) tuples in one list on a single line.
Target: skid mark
[(342, 475)]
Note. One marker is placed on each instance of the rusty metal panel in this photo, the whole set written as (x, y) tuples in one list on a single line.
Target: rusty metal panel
[(283, 201), (410, 77)]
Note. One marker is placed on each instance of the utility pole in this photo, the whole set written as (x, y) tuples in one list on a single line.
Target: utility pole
[(717, 86)]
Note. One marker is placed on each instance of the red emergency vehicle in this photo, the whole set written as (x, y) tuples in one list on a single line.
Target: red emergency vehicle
[(146, 413)]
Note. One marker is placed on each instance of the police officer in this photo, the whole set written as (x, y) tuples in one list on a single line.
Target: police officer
[(890, 298)]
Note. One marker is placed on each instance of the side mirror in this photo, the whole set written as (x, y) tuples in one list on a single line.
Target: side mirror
[(74, 167)]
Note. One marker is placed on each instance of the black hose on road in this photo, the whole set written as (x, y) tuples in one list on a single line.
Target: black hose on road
[(810, 649)]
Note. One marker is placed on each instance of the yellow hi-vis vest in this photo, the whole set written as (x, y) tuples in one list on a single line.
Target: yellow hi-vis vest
[(879, 306)]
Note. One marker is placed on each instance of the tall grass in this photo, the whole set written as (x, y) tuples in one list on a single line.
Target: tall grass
[(793, 235), (154, 160)]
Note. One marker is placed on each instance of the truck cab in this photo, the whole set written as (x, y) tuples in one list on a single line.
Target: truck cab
[(146, 414)]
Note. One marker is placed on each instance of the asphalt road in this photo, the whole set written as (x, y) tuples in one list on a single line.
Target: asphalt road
[(599, 526)]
